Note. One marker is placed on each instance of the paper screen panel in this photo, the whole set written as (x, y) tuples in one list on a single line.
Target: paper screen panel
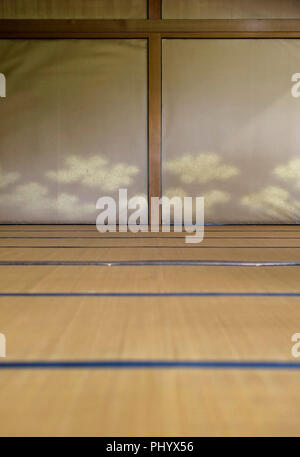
[(231, 127), (73, 127), (230, 9), (73, 9)]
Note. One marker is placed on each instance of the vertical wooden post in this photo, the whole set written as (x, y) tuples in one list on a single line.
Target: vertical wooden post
[(154, 103), (154, 9), (154, 117)]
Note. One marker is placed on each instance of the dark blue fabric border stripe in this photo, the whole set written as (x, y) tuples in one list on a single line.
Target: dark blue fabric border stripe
[(150, 294), (150, 247), (87, 224), (140, 364), (103, 237), (297, 230), (149, 263)]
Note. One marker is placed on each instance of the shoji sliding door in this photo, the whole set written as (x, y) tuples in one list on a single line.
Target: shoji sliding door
[(73, 126), (73, 9), (231, 127), (230, 9)]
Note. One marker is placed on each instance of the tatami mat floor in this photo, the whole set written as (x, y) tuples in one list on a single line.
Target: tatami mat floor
[(124, 313)]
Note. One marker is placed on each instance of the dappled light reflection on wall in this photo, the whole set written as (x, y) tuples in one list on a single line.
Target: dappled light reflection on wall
[(94, 171), (201, 168), (290, 172), (274, 202)]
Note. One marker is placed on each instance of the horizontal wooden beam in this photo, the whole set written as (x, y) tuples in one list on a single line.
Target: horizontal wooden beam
[(93, 28), (69, 28), (230, 35)]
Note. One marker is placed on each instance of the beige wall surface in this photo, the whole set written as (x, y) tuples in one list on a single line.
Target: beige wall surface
[(74, 9), (230, 9), (73, 126), (231, 127)]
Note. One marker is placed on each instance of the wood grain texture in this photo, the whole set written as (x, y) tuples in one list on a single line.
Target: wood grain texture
[(155, 119), (84, 243), (132, 252), (175, 279), (80, 28), (149, 403), (173, 328), (154, 9)]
